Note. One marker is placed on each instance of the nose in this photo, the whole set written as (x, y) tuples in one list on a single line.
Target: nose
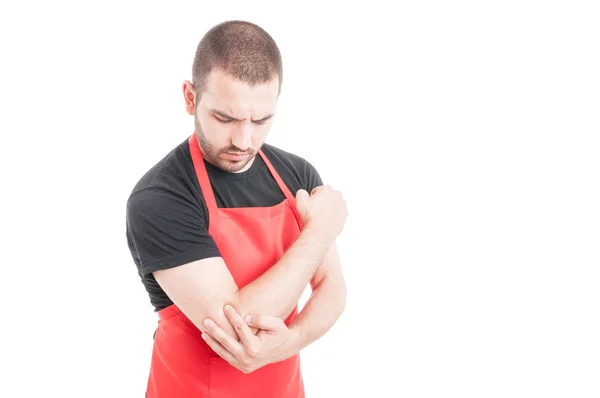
[(242, 137)]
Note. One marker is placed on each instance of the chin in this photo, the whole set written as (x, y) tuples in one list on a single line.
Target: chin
[(233, 167)]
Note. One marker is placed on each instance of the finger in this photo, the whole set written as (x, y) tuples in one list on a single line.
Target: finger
[(301, 193), (241, 328), (219, 349), (321, 188), (301, 198), (228, 342), (265, 322), (315, 189)]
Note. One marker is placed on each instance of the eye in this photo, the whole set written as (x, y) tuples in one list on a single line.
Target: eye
[(223, 120), (259, 122)]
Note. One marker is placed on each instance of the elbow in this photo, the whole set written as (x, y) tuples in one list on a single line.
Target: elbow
[(214, 310), (238, 303)]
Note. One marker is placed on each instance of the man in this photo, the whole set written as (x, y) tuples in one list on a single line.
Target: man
[(226, 236)]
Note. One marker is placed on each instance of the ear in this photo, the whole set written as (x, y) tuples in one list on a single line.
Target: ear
[(189, 96)]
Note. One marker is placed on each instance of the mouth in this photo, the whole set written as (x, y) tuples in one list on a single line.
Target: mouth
[(235, 156)]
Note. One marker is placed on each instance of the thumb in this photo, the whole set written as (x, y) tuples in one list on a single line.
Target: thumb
[(264, 322), (301, 199)]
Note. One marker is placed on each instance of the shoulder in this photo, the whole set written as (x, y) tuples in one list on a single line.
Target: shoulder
[(169, 178), (151, 201), (168, 189), (169, 171), (293, 167)]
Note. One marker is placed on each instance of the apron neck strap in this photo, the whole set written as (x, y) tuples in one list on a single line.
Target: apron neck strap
[(280, 183), (206, 188), (286, 191), (202, 175)]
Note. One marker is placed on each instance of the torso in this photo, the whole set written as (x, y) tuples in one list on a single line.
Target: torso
[(175, 176)]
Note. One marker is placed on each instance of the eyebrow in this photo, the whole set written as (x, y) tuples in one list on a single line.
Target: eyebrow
[(226, 116)]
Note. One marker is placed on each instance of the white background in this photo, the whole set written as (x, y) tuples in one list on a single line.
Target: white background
[(464, 135)]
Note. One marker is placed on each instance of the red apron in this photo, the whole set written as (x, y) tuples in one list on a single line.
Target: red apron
[(251, 240)]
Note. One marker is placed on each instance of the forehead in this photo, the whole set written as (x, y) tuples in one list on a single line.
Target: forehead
[(239, 99)]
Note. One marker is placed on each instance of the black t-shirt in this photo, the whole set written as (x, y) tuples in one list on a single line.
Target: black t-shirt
[(167, 218)]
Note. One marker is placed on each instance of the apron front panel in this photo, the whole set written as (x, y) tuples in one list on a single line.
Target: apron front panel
[(178, 359), (276, 380), (251, 243), (250, 240)]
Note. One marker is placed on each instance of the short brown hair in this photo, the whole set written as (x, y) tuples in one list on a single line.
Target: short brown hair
[(242, 50)]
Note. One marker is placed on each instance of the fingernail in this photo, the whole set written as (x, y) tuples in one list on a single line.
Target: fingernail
[(248, 318), (207, 322), (228, 307)]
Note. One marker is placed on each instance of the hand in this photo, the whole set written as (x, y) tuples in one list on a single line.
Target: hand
[(273, 343), (324, 209)]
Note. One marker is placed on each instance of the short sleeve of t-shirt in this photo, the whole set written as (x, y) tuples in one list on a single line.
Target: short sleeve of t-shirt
[(166, 231), (312, 179)]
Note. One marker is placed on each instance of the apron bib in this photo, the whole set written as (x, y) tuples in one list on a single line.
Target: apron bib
[(251, 240)]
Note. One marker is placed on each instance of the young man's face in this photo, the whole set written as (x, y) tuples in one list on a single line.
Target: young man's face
[(232, 120)]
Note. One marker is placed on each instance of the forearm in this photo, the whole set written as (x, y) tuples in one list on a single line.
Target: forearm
[(278, 290), (320, 313)]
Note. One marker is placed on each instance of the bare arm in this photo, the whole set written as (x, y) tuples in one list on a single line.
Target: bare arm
[(325, 305), (202, 288), (276, 341)]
